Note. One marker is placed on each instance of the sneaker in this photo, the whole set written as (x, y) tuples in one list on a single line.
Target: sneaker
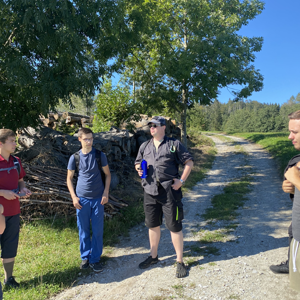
[(11, 282), (148, 262), (84, 264), (97, 267), (282, 268), (181, 270)]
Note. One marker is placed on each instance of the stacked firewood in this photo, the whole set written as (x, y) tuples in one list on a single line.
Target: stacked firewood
[(53, 120), (49, 189), (45, 146)]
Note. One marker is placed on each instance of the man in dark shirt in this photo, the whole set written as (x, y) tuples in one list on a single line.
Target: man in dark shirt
[(162, 189)]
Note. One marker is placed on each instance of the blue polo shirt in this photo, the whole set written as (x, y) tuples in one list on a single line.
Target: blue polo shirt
[(89, 183)]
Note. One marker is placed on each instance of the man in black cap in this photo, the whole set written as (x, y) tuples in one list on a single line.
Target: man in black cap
[(162, 189)]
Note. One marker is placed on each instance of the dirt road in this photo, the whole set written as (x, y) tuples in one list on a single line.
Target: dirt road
[(241, 271)]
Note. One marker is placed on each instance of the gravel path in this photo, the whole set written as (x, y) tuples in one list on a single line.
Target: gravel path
[(241, 271)]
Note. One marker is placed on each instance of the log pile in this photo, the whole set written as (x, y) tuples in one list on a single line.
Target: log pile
[(45, 153), (45, 146), (54, 120), (50, 192)]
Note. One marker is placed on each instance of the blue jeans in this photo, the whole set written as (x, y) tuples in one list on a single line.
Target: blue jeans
[(92, 212)]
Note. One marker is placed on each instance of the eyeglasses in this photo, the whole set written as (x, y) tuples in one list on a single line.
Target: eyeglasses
[(153, 125), (88, 140)]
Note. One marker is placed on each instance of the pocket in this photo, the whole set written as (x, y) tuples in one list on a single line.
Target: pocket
[(176, 195), (179, 212)]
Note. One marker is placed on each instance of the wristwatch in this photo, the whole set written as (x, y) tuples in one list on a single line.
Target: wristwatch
[(182, 181)]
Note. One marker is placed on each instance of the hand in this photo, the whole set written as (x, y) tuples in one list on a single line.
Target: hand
[(1, 209), (26, 191), (288, 187), (177, 184), (139, 170), (292, 175), (76, 202), (9, 195), (104, 198)]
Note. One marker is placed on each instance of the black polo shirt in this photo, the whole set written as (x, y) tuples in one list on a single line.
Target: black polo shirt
[(162, 164)]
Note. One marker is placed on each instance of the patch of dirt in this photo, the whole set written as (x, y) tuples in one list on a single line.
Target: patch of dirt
[(241, 271)]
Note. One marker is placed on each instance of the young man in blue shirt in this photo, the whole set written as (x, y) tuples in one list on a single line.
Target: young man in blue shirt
[(89, 199)]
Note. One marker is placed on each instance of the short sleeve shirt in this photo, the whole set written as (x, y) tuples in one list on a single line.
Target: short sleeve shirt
[(162, 164), (89, 183), (9, 180)]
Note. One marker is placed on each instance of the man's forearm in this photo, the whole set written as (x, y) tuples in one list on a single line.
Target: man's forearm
[(71, 188), (107, 182), (187, 170)]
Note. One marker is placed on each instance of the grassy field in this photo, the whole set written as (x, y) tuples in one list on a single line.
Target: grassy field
[(48, 256), (277, 143)]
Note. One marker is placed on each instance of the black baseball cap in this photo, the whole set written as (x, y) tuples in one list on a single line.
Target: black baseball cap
[(158, 120)]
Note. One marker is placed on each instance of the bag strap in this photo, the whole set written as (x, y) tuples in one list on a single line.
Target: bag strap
[(143, 146), (16, 166), (77, 159)]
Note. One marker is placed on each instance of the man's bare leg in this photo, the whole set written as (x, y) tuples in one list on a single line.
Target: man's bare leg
[(154, 237), (177, 240)]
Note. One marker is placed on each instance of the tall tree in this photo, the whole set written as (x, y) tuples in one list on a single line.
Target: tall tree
[(194, 50), (52, 49), (114, 106), (84, 106)]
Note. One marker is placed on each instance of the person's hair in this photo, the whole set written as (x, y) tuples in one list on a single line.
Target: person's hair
[(82, 131), (294, 115), (5, 134)]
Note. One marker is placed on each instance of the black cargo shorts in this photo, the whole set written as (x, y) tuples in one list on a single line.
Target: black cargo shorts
[(168, 204)]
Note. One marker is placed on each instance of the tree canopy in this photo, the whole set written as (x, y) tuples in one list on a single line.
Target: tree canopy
[(114, 105), (242, 116), (52, 49), (194, 49)]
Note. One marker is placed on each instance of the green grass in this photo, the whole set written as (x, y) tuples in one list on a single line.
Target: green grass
[(204, 249), (48, 256), (224, 205), (218, 235), (204, 154), (277, 143)]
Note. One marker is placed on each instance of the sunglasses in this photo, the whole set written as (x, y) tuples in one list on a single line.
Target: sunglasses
[(153, 125)]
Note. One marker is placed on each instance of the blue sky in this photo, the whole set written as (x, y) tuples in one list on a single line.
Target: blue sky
[(279, 59)]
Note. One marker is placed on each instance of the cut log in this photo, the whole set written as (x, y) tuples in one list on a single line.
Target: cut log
[(133, 146), (116, 151), (102, 145), (26, 141), (56, 116), (48, 122), (69, 114), (72, 120), (86, 120)]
